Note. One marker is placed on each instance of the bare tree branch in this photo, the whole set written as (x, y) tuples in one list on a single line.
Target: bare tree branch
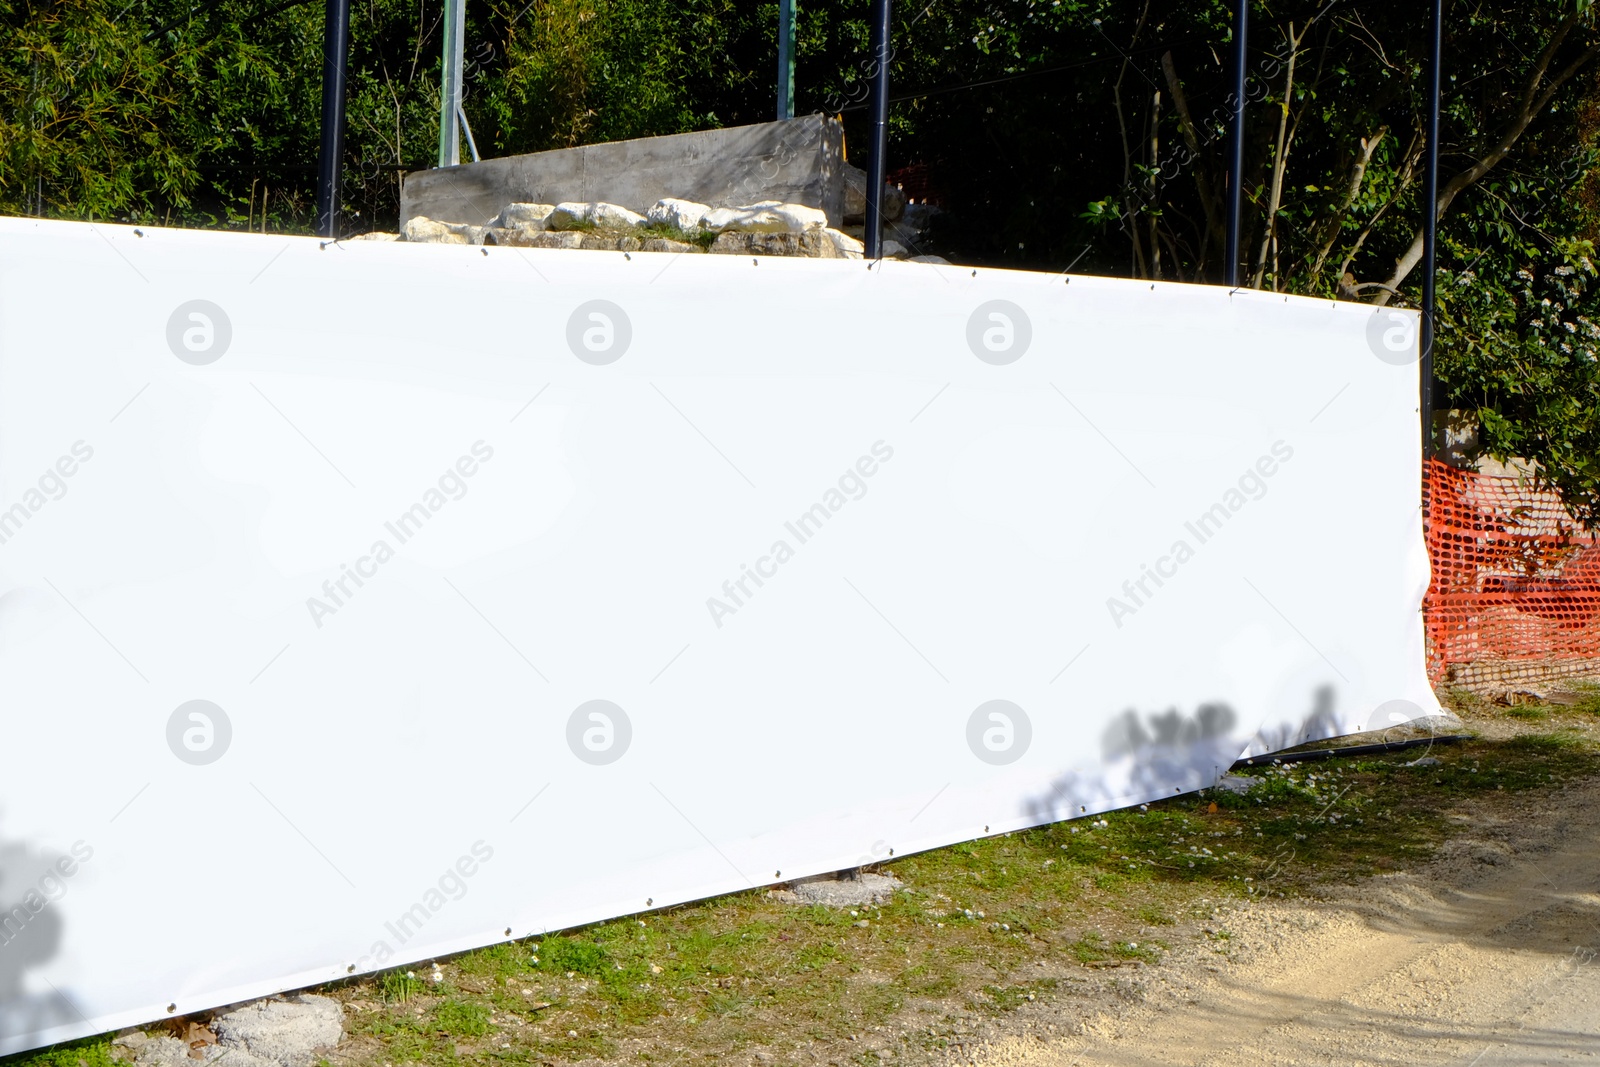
[(1532, 103)]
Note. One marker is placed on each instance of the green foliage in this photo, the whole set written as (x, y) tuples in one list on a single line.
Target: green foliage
[(398, 986), (1520, 332), (562, 955), (89, 1052), (461, 1018)]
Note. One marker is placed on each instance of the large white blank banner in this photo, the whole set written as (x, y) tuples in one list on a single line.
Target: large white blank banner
[(361, 602)]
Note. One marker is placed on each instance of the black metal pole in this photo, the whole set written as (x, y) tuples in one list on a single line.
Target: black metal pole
[(335, 56), (878, 142), (1430, 223), (1241, 35)]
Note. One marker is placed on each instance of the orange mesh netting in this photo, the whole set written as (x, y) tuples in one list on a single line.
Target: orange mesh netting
[(1516, 581)]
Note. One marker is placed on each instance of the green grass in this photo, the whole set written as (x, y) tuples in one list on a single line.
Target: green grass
[(699, 238), (461, 1018), (984, 924), (398, 986), (90, 1052)]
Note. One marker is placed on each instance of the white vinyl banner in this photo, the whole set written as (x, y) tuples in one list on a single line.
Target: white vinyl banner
[(362, 602)]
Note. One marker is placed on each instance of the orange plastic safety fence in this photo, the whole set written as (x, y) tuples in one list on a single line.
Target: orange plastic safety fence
[(1516, 581)]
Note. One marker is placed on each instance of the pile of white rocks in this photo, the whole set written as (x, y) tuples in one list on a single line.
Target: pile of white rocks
[(769, 228)]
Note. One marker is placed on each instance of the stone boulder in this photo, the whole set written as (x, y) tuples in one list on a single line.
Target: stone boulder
[(374, 236), (846, 246), (292, 1031), (847, 889), (855, 198), (288, 1031), (422, 230), (663, 244), (526, 216), (770, 216), (571, 215), (813, 244), (510, 238), (686, 215)]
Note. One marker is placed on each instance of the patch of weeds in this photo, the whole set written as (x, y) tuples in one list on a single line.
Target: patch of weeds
[(508, 959), (1001, 998), (1528, 712), (923, 981), (816, 954), (1094, 948), (461, 1018), (1152, 916), (1546, 744), (571, 955), (1588, 702), (89, 1052), (697, 237), (398, 987), (1090, 948)]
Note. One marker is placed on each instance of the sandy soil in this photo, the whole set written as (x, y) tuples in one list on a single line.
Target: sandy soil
[(1486, 957)]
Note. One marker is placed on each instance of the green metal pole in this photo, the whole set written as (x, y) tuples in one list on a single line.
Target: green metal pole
[(455, 18), (786, 59)]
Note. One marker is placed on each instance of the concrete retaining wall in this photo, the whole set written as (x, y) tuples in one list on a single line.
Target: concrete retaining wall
[(799, 161)]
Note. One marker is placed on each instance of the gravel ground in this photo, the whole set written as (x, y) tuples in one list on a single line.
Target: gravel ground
[(1486, 956)]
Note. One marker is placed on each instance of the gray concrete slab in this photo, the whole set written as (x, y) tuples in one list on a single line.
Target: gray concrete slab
[(798, 161)]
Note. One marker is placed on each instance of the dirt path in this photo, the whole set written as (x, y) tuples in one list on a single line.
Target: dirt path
[(1487, 958)]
